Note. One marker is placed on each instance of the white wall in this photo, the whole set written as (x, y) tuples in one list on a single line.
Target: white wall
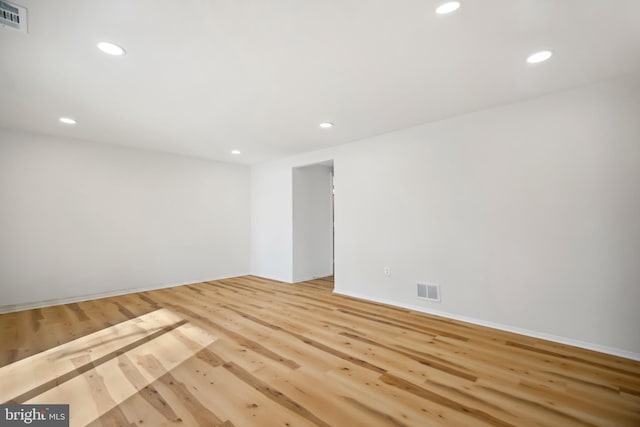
[(80, 219), (312, 222), (525, 214), (272, 223)]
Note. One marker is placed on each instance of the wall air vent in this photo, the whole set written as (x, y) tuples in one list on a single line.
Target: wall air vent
[(13, 16), (429, 291)]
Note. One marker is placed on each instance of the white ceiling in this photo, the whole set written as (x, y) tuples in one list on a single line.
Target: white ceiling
[(203, 77)]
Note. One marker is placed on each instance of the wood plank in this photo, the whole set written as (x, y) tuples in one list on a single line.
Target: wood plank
[(108, 383), (254, 351), (47, 369)]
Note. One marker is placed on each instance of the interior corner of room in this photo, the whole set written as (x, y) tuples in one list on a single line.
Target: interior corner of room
[(525, 214)]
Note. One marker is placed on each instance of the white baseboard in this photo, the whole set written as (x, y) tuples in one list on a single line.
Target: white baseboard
[(9, 308), (558, 339), (272, 277)]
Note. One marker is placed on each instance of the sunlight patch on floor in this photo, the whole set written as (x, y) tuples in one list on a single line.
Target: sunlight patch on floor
[(97, 372)]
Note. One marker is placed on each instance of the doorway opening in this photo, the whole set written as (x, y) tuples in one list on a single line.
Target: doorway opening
[(313, 218)]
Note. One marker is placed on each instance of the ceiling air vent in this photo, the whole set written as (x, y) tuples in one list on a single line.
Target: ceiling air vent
[(13, 16), (429, 291)]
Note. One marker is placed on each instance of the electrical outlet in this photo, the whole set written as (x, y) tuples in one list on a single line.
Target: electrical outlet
[(387, 271)]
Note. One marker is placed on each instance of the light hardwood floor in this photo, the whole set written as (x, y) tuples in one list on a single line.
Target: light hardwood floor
[(254, 352)]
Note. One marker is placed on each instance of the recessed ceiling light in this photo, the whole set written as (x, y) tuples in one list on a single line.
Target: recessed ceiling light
[(67, 120), (111, 49), (448, 7), (539, 57), (235, 152), (326, 125)]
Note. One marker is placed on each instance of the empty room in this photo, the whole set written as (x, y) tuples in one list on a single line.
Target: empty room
[(337, 213)]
